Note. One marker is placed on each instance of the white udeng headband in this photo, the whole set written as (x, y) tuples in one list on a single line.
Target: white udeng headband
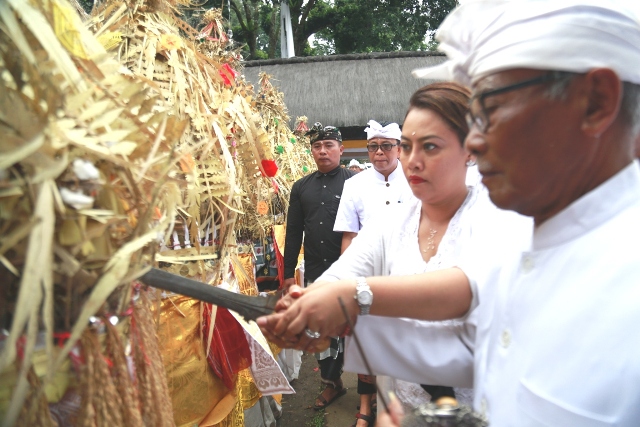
[(376, 130), (482, 37), (354, 162)]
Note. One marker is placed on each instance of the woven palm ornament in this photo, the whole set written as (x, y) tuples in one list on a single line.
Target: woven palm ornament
[(128, 138)]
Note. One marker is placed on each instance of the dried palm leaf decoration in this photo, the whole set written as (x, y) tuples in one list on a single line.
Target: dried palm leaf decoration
[(84, 192), (126, 140)]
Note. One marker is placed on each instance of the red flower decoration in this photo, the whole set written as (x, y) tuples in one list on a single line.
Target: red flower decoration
[(270, 168), (228, 74)]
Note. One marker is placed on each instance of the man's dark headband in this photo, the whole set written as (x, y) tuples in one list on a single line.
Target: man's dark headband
[(320, 133)]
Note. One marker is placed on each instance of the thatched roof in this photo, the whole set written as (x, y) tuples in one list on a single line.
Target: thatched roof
[(346, 90)]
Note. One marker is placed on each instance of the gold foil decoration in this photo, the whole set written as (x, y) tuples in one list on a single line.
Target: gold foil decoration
[(235, 418), (249, 393), (196, 392), (247, 281)]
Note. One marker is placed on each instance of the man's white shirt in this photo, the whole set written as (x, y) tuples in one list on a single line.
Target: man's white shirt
[(555, 338), (367, 194)]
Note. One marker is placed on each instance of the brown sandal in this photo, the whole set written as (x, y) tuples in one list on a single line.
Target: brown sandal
[(370, 419), (339, 393)]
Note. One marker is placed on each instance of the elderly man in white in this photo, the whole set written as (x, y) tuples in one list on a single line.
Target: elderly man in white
[(372, 190), (554, 115)]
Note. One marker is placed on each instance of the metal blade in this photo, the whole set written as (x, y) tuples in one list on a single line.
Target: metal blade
[(247, 306)]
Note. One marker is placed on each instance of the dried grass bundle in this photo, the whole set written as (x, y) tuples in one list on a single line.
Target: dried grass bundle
[(83, 193), (35, 412), (156, 46), (101, 165), (155, 403), (226, 136), (115, 352), (101, 404)]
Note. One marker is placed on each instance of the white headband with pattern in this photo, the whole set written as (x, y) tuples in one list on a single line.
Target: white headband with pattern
[(376, 130)]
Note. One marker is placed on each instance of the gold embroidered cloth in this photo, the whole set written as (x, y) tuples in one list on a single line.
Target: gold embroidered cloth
[(196, 392)]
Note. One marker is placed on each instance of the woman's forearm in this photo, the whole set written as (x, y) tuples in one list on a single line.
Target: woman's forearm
[(437, 295)]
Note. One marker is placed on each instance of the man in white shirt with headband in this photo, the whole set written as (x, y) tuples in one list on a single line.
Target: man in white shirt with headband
[(555, 115), (370, 192)]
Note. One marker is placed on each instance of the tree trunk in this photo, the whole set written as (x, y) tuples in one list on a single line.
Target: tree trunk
[(300, 33), (274, 36), (248, 18)]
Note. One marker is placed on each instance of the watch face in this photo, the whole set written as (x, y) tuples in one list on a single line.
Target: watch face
[(365, 298)]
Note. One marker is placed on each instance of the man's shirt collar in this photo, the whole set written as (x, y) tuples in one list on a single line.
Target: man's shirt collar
[(331, 172)]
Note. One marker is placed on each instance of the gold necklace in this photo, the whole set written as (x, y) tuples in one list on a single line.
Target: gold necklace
[(431, 244)]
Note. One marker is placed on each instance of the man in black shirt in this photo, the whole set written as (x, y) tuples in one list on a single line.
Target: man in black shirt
[(313, 206)]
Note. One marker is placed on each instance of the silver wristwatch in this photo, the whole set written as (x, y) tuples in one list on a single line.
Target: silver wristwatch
[(363, 295)]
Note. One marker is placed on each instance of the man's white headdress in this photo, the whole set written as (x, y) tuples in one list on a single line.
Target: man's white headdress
[(354, 162), (376, 130), (483, 37)]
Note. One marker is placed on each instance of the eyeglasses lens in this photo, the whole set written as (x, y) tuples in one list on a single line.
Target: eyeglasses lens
[(385, 147)]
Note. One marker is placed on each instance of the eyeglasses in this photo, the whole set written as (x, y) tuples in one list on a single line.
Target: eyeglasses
[(386, 146), (477, 114)]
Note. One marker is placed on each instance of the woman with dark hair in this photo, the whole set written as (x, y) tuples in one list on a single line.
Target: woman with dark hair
[(432, 232)]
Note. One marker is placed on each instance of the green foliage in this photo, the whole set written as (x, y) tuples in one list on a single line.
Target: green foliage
[(387, 25), (259, 54), (317, 420), (321, 47), (337, 26)]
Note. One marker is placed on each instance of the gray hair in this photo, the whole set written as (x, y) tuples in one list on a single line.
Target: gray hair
[(629, 107), (557, 89)]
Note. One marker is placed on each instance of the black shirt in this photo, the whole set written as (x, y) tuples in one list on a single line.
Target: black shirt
[(313, 206)]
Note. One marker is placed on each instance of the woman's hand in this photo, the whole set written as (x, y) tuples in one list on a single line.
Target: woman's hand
[(304, 312), (288, 283), (293, 293)]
